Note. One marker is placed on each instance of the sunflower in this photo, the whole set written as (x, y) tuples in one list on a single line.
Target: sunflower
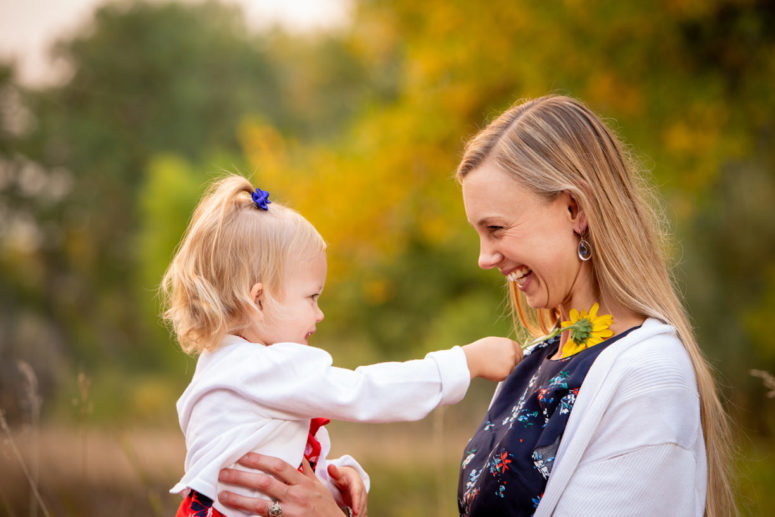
[(586, 330)]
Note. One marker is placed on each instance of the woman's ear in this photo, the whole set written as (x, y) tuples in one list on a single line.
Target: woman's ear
[(257, 295), (577, 216)]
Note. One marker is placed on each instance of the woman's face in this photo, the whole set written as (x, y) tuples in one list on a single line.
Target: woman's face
[(530, 239)]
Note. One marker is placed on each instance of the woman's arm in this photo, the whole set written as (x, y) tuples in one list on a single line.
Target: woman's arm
[(651, 480), (640, 451), (298, 494)]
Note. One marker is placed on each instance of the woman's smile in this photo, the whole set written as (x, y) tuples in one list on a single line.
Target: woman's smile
[(520, 276)]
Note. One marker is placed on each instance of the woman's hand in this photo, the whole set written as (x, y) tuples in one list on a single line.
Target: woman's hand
[(492, 358), (299, 494), (350, 484)]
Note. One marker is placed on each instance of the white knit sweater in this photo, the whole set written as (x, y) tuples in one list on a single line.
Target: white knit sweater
[(633, 445)]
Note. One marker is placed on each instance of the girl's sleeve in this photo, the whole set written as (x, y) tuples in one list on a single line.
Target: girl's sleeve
[(300, 382), (321, 471)]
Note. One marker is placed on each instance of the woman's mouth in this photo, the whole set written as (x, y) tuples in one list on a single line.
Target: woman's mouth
[(519, 276)]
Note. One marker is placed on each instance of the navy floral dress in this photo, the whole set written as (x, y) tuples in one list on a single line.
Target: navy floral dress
[(508, 461)]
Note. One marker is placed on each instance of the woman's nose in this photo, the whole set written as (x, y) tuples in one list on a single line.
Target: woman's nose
[(488, 259)]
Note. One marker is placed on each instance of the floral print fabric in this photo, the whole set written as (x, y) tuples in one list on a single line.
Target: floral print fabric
[(507, 462)]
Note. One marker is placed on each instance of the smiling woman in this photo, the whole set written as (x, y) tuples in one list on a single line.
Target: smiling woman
[(560, 212)]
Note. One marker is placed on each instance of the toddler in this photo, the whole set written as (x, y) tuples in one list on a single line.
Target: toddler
[(242, 292)]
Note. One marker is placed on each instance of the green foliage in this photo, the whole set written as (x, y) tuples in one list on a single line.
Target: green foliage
[(87, 227)]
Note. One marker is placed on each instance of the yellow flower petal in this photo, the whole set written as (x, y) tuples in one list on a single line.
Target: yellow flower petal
[(600, 331), (593, 340), (570, 348)]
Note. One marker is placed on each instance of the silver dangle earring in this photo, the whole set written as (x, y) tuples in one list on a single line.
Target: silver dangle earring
[(584, 250)]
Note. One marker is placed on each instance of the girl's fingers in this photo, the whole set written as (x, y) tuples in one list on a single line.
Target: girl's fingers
[(337, 475), (306, 468)]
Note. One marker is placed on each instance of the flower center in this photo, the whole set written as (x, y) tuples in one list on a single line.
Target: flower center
[(581, 331)]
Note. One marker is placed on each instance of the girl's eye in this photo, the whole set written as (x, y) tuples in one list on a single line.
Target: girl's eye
[(314, 297)]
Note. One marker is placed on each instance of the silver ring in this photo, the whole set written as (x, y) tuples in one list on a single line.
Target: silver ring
[(275, 510)]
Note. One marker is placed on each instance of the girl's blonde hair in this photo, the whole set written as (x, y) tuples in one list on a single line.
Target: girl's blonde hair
[(230, 245), (555, 144)]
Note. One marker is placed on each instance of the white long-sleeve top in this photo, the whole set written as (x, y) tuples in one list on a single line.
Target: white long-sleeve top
[(249, 397), (633, 445)]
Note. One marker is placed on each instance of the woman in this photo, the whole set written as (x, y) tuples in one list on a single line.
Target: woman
[(631, 425)]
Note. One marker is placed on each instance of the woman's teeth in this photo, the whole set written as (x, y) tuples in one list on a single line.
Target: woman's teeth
[(518, 274)]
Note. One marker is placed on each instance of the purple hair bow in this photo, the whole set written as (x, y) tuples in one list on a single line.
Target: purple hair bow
[(261, 199)]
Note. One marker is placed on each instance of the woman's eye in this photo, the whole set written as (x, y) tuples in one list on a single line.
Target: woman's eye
[(493, 228)]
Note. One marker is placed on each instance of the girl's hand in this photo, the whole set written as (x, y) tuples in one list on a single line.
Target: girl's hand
[(299, 494), (352, 488), (492, 358)]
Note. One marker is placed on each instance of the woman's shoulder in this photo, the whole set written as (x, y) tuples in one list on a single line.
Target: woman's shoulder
[(651, 357)]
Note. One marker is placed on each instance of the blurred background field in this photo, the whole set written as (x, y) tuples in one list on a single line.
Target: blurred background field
[(358, 125)]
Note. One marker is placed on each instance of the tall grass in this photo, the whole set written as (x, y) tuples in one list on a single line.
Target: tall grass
[(29, 467)]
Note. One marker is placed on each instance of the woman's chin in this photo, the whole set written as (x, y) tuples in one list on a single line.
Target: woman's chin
[(535, 303)]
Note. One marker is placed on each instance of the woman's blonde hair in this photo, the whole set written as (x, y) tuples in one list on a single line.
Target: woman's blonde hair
[(555, 144), (230, 245)]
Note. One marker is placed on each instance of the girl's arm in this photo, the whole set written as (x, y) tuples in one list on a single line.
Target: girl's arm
[(296, 381)]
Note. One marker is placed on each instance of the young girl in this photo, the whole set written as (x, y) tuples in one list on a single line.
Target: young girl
[(242, 292)]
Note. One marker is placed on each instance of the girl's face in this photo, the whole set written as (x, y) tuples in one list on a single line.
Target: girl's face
[(530, 239), (293, 317)]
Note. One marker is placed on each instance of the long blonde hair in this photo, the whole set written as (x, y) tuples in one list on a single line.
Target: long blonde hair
[(229, 246), (555, 144)]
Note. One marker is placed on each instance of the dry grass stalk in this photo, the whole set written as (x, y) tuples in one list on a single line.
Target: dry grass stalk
[(33, 401), (153, 498), (769, 381), (85, 407), (23, 465)]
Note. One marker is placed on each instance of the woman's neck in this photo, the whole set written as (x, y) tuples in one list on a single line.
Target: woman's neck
[(623, 317)]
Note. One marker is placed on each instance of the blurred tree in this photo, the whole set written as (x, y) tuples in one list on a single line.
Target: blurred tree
[(78, 167), (146, 78)]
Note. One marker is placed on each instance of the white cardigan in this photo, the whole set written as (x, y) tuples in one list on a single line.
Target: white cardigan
[(633, 445), (250, 397)]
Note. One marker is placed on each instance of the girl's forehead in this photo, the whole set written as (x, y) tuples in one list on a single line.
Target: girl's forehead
[(308, 266)]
